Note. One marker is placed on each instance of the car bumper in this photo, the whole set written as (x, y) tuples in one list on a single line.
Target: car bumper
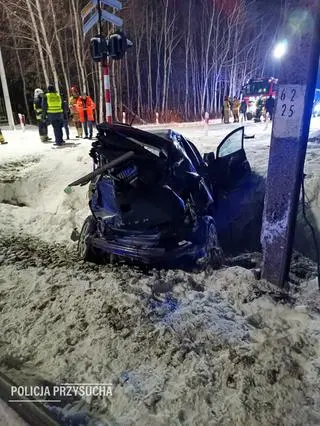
[(149, 255)]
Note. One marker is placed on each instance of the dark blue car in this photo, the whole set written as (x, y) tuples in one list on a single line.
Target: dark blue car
[(154, 200)]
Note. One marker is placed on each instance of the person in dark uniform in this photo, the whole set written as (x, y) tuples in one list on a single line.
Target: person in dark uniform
[(42, 124), (243, 110), (270, 103)]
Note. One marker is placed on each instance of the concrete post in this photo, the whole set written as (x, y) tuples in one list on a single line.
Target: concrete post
[(290, 138)]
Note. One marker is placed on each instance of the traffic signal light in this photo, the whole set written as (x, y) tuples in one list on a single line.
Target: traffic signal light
[(115, 46), (98, 48), (118, 45)]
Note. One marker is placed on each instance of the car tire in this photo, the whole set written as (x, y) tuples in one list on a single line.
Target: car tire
[(85, 251)]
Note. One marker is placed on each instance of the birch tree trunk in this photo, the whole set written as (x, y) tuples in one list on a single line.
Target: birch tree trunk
[(187, 47), (39, 44), (206, 64), (64, 72), (47, 45), (149, 28), (165, 61), (129, 103), (79, 45)]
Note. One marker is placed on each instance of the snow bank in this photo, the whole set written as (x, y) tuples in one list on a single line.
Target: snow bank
[(32, 197)]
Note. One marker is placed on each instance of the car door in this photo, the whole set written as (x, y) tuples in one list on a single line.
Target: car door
[(231, 164)]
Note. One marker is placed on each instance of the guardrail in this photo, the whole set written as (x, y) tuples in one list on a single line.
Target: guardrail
[(34, 414)]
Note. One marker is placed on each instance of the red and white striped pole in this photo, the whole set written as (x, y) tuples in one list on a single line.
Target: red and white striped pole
[(107, 90)]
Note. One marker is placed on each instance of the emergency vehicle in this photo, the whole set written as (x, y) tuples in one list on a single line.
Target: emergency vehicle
[(256, 88)]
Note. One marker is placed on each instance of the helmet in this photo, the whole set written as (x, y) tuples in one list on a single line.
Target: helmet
[(74, 89), (51, 88), (38, 92)]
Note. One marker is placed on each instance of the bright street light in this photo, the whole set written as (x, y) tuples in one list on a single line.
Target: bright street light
[(280, 49)]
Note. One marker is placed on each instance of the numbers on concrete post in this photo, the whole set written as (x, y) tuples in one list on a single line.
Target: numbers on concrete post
[(287, 106), (289, 111)]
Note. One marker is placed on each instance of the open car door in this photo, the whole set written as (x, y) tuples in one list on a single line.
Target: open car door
[(231, 164)]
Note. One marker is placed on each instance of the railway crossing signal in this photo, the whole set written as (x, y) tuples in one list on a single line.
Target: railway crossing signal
[(101, 48)]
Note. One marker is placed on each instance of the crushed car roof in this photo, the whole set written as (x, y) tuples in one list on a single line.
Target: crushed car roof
[(161, 139)]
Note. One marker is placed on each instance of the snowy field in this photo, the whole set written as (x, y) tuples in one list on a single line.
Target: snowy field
[(213, 347)]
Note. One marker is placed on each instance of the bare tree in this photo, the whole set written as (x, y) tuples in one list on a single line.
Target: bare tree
[(47, 44), (79, 43), (39, 43), (186, 55)]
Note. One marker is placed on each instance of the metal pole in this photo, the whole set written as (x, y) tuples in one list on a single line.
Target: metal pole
[(107, 90), (290, 133), (106, 74), (6, 93)]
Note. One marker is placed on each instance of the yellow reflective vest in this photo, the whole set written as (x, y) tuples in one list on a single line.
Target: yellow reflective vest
[(38, 111), (54, 103)]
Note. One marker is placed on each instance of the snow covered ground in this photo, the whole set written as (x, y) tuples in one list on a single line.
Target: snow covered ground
[(211, 347)]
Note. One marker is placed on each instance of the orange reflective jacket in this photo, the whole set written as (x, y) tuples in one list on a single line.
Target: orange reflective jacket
[(85, 105)]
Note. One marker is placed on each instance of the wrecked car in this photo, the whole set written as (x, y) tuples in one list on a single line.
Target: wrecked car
[(154, 199)]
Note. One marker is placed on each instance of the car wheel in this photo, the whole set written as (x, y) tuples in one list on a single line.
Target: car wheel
[(84, 249)]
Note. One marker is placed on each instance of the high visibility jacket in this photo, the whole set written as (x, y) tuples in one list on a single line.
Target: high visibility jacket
[(54, 103), (86, 109), (37, 106)]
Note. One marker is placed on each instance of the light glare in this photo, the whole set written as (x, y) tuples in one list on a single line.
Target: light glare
[(280, 50)]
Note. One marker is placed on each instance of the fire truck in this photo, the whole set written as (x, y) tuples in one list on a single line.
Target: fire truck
[(256, 88)]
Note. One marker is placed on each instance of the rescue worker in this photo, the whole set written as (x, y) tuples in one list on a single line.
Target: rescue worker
[(86, 108), (75, 95), (235, 109), (42, 124), (243, 110), (53, 112), (226, 109), (270, 103)]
